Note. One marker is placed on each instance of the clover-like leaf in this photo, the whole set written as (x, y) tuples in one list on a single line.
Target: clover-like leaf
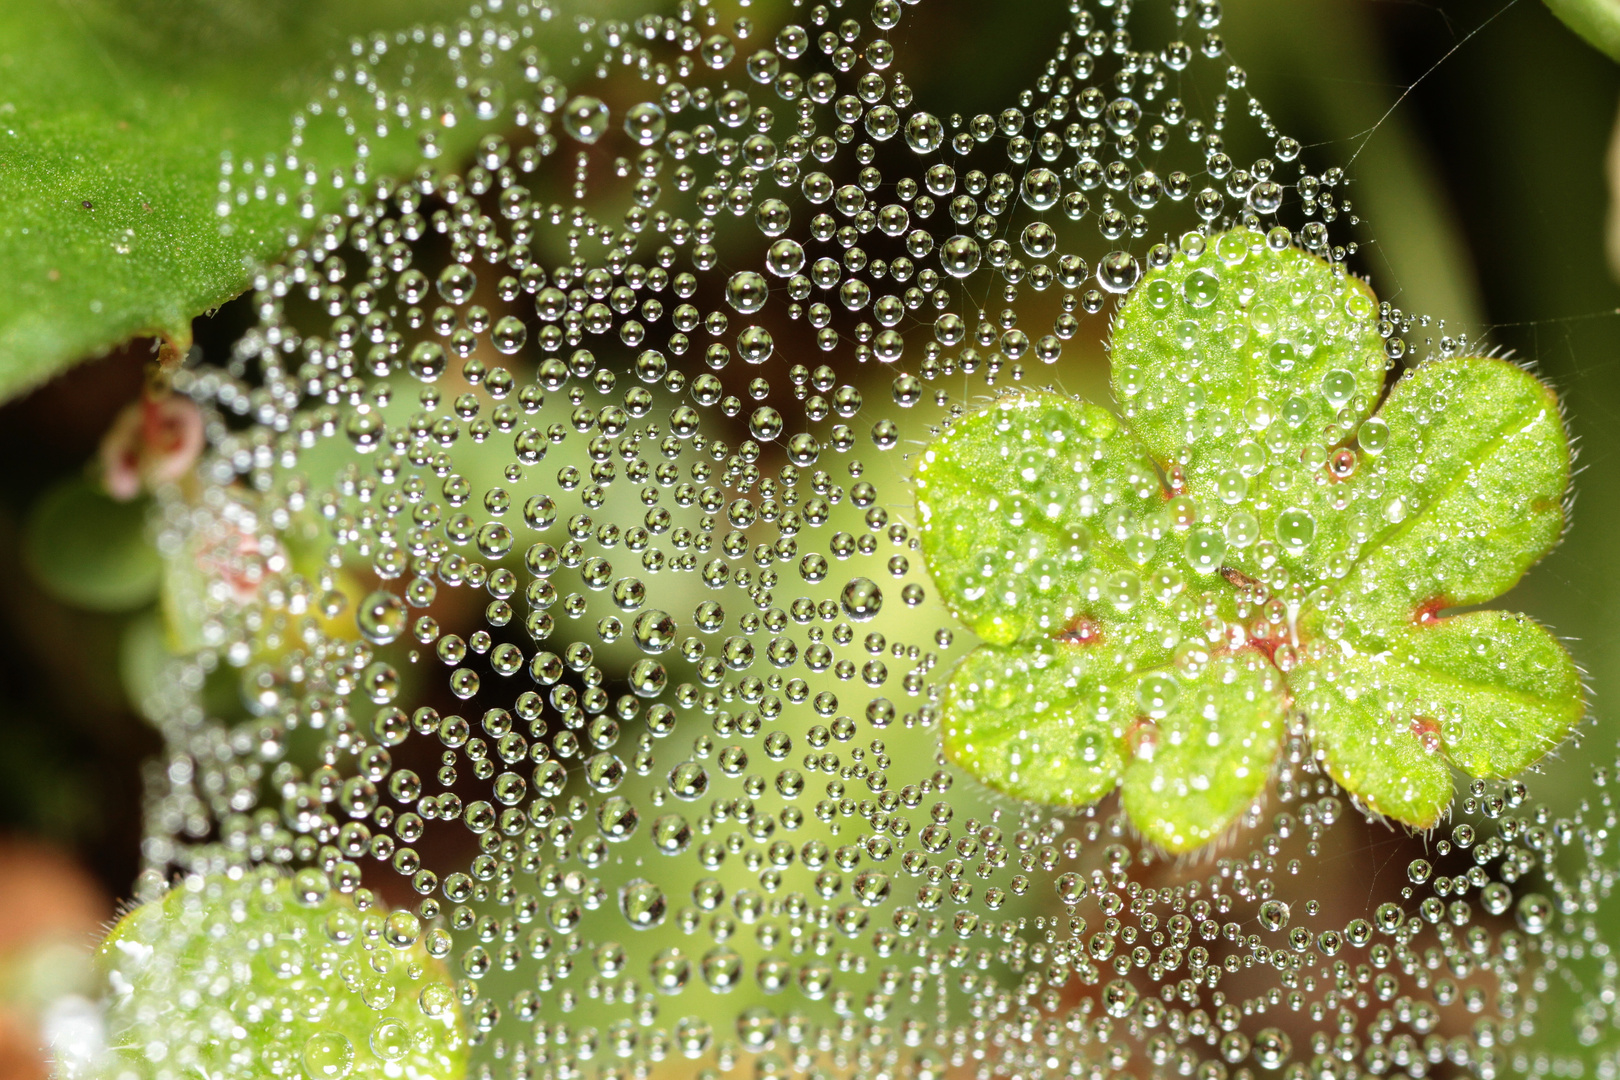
[(1257, 539)]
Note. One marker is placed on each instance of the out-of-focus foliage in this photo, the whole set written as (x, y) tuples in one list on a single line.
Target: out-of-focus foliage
[(1598, 21)]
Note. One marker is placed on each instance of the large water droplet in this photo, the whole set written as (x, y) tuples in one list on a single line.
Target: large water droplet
[(642, 903), (1272, 1048), (861, 599), (1273, 915), (644, 123), (655, 631), (328, 1055), (959, 256), (747, 291), (381, 617), (1534, 913), (585, 118)]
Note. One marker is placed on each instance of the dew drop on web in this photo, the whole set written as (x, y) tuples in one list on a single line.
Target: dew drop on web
[(554, 578)]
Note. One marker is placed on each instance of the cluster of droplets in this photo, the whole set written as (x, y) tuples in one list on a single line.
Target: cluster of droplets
[(549, 574)]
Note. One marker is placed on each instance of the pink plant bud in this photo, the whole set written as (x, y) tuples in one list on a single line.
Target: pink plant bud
[(121, 454), (155, 440), (235, 558)]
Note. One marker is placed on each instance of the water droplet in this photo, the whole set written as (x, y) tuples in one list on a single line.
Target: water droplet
[(1157, 694), (585, 118), (1119, 998), (1534, 913), (755, 345), (861, 599), (644, 123), (1200, 289), (1118, 272), (1373, 435), (747, 291), (765, 424), (784, 258), (509, 334), (390, 1039), (427, 361), (924, 132), (1338, 386), (1205, 549), (1272, 1048), (381, 617), (722, 969), (328, 1055), (1296, 529), (959, 256), (1273, 915), (654, 631), (642, 903), (1283, 355), (1041, 189)]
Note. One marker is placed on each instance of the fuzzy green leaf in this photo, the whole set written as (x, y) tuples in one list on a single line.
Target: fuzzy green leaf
[(1190, 745), (317, 987), (1480, 463), (1488, 691), (1261, 538), (114, 117), (1197, 766), (1043, 722), (1019, 503), (1231, 367)]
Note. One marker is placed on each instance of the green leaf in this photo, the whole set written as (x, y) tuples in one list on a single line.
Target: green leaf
[(1195, 768), (1598, 21), (1258, 541), (1482, 460), (318, 987), (1040, 722), (1063, 723), (1020, 503), (1488, 691), (1231, 367), (88, 550), (114, 116)]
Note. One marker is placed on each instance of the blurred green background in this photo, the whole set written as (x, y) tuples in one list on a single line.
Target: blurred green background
[(1475, 135)]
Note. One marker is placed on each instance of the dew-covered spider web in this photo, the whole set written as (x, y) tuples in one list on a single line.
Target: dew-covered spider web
[(550, 608)]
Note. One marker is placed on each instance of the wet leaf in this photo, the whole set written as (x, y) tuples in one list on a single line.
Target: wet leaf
[(1489, 692), (115, 116), (357, 994), (1258, 538)]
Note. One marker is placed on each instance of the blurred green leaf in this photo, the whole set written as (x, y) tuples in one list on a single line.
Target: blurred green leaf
[(90, 551), (114, 115), (143, 658), (1598, 21)]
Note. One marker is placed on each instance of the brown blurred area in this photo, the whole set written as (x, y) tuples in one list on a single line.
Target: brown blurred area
[(51, 912)]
